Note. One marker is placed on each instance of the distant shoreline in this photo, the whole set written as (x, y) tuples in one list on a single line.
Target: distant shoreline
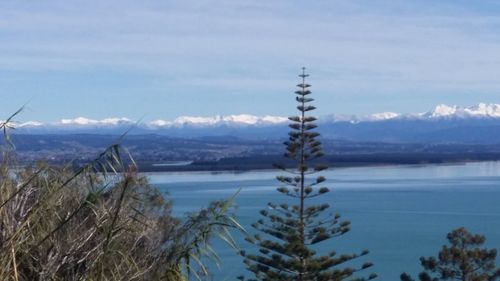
[(256, 163), (329, 168)]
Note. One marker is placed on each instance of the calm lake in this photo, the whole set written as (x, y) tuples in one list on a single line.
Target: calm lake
[(399, 213)]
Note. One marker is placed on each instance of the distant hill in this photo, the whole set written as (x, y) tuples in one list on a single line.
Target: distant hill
[(163, 153)]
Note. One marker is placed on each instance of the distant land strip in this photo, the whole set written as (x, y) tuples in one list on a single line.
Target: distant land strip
[(163, 153), (336, 161)]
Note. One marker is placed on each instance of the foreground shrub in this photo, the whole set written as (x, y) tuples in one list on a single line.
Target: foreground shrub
[(99, 222)]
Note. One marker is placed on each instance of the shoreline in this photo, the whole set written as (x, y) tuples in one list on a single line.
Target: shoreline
[(242, 169)]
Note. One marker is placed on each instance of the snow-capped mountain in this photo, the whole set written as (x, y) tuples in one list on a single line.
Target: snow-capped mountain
[(480, 110), (241, 120), (82, 121), (477, 123), (382, 116), (441, 111)]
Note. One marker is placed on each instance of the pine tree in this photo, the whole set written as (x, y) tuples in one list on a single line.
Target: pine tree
[(294, 231), (465, 260)]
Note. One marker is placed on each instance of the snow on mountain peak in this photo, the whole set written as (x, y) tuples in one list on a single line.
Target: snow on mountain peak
[(31, 124), (78, 121), (479, 110), (82, 121), (159, 123), (240, 119), (274, 119), (383, 116), (116, 121), (355, 119), (491, 110), (443, 110), (181, 120)]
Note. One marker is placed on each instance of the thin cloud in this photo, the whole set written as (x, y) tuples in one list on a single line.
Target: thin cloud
[(356, 48)]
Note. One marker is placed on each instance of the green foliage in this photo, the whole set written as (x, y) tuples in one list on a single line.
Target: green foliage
[(293, 232), (463, 260), (100, 222)]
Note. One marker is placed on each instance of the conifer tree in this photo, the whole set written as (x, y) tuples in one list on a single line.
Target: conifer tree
[(292, 232), (464, 260)]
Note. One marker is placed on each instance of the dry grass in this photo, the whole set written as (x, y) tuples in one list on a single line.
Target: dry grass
[(101, 222)]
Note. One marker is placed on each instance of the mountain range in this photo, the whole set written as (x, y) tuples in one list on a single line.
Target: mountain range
[(479, 124)]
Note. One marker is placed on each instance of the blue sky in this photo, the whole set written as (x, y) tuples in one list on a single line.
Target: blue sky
[(162, 59)]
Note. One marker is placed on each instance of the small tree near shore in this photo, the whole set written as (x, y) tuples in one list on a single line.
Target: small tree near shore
[(464, 260), (294, 232)]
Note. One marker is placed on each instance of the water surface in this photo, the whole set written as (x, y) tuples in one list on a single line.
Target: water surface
[(399, 213)]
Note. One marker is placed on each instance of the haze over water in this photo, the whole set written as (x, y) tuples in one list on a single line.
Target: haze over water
[(399, 213)]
